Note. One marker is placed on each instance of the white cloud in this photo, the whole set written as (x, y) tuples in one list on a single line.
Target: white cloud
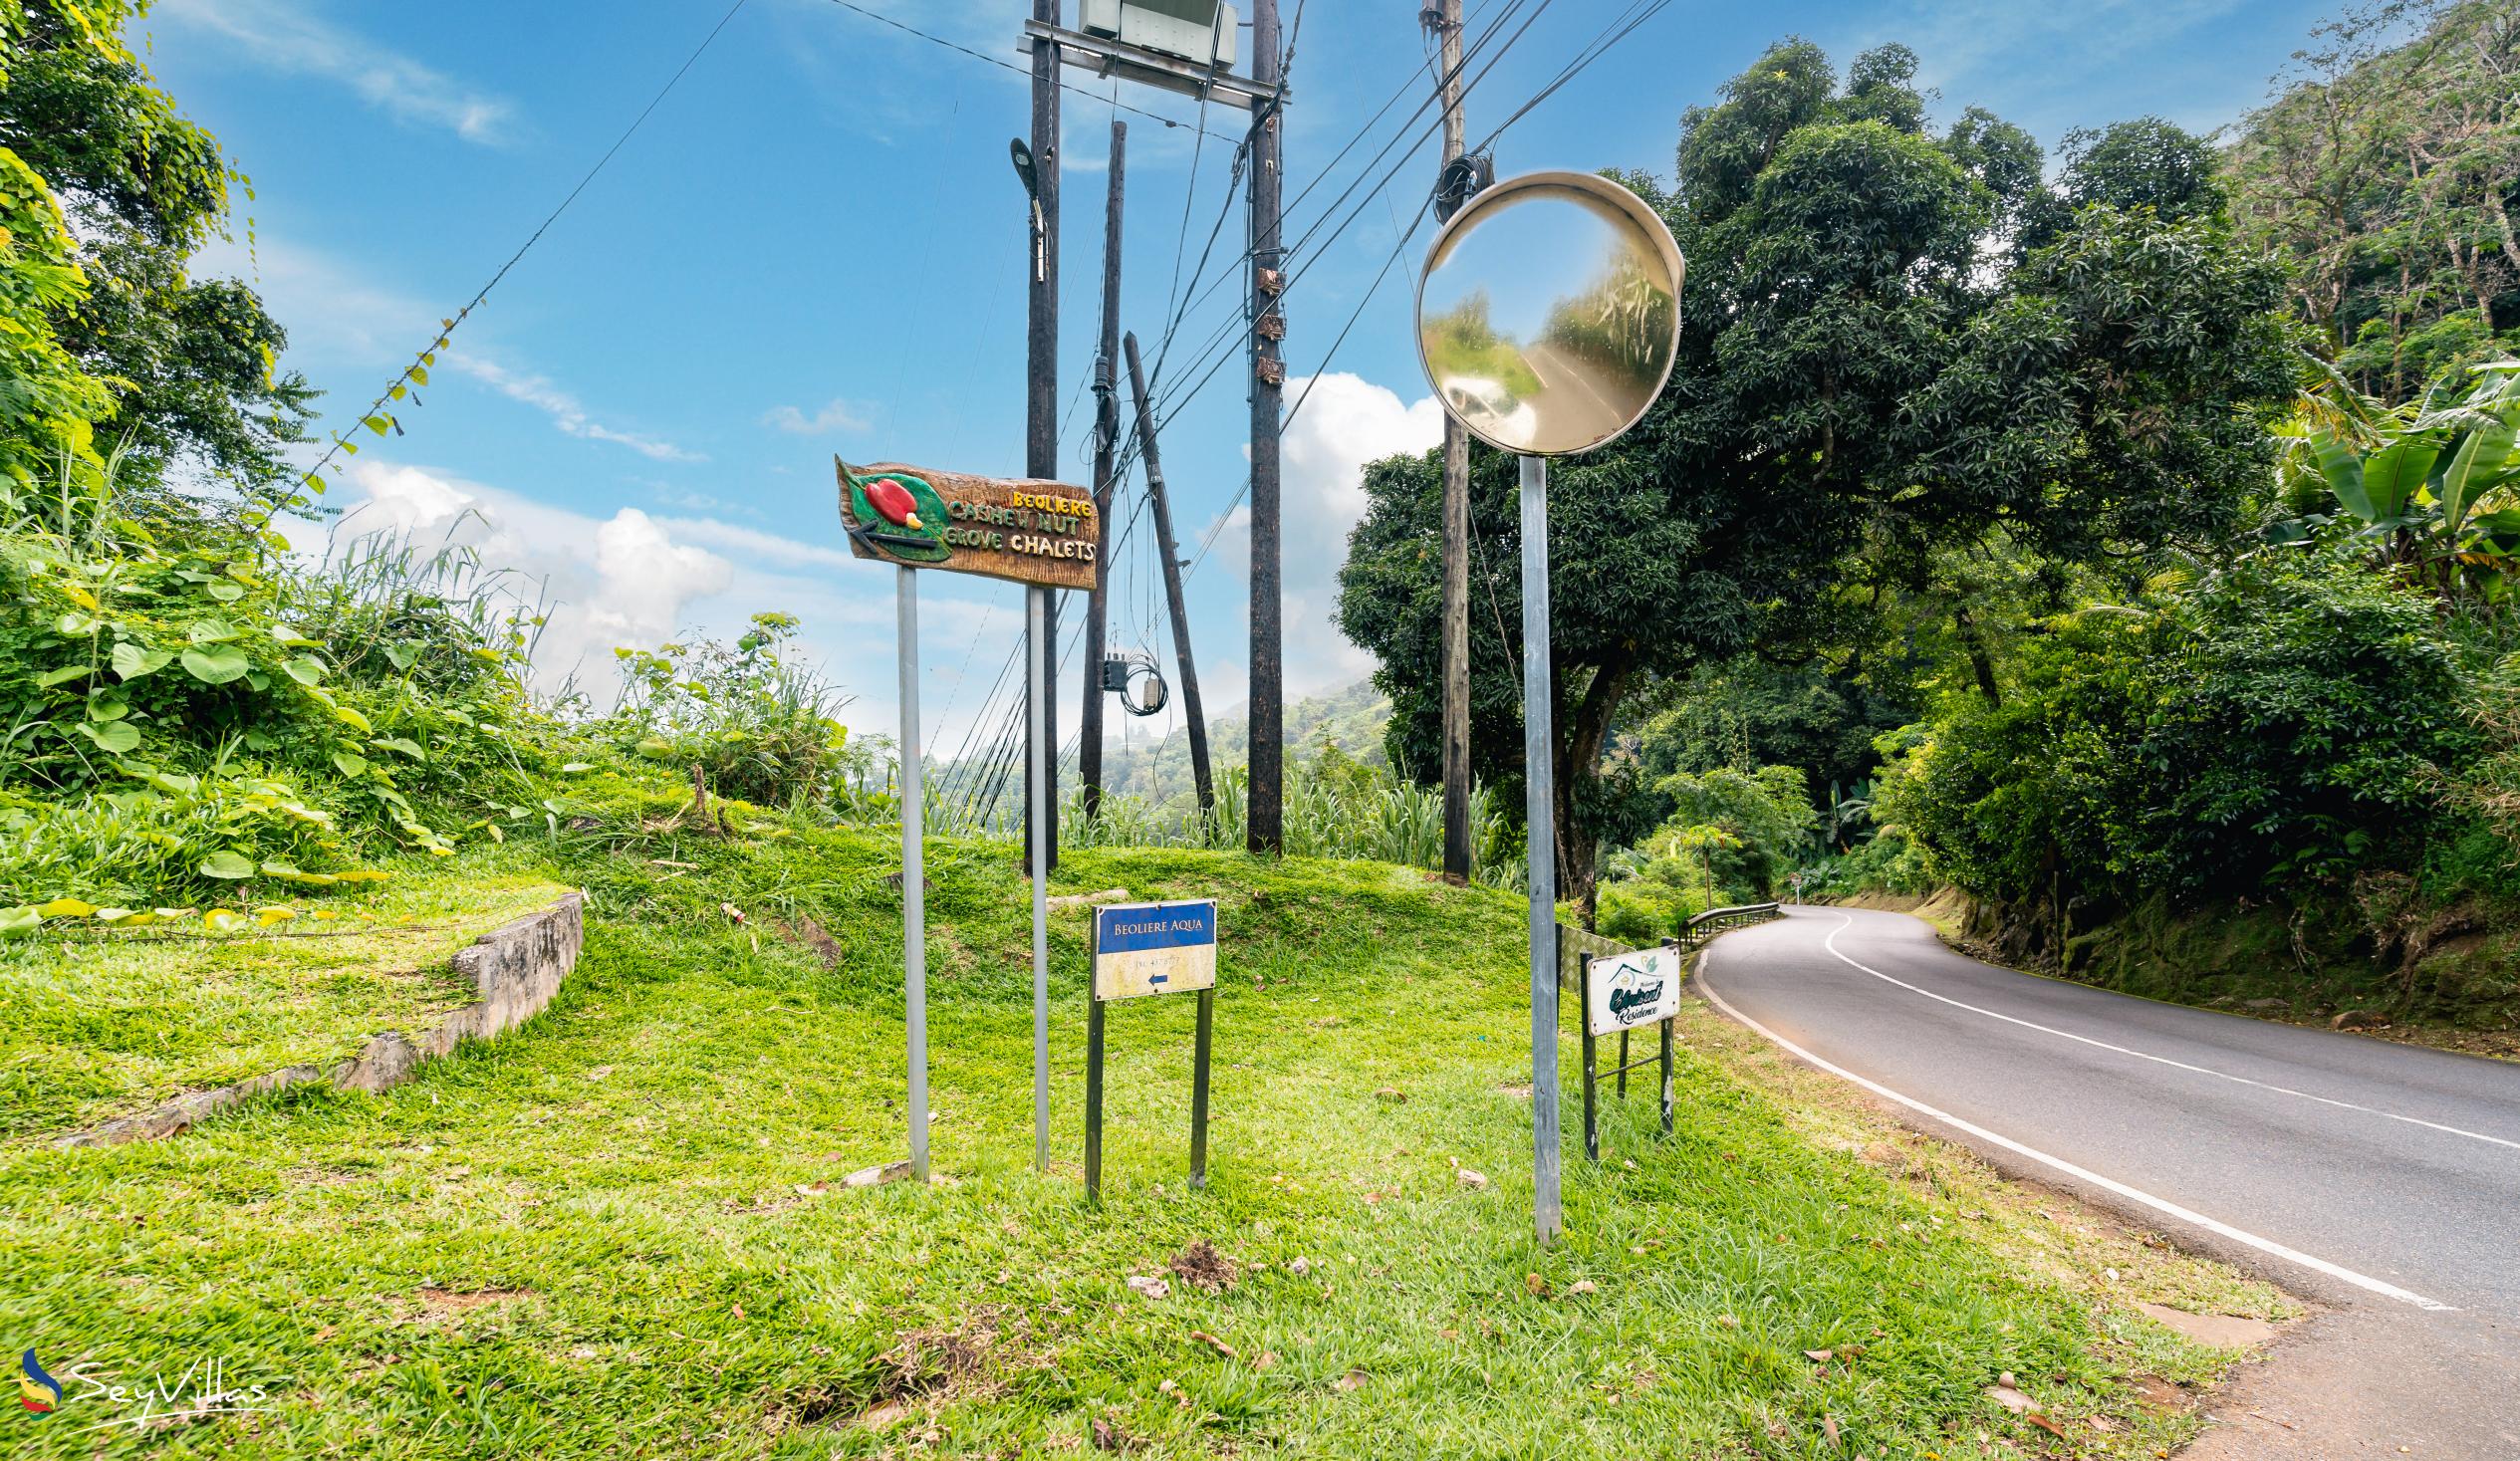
[(281, 35), (840, 415), (626, 579), (563, 409), (633, 579), (753, 543), (1347, 422)]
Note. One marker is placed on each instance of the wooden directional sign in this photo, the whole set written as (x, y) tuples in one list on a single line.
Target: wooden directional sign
[(1032, 531)]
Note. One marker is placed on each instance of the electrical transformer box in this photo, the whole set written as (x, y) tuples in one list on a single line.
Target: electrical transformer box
[(1198, 31)]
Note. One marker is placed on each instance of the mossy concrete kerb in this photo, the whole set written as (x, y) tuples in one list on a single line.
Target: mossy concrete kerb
[(514, 971)]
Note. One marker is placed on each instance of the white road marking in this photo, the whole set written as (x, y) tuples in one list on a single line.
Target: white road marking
[(2161, 1205), (1846, 921)]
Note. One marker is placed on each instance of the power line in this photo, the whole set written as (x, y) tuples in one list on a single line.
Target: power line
[(1601, 47), (447, 327), (1226, 327), (1220, 341), (1609, 35)]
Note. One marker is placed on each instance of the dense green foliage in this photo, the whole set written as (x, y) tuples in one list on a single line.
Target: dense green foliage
[(185, 707), (120, 345), (2384, 177), (1894, 346), (2277, 723)]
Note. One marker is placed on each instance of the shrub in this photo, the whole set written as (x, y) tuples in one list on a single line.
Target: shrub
[(759, 727), (2282, 720), (170, 722)]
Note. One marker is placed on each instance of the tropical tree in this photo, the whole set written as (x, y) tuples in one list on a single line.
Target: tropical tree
[(1863, 376), (2386, 176), (182, 374)]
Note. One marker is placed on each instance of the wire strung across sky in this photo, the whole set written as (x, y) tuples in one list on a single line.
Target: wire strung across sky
[(447, 328), (1619, 27), (1223, 342)]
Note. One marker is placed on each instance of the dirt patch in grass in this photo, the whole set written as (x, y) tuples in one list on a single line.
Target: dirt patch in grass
[(804, 931), (1203, 1268), (434, 1302), (929, 1367)]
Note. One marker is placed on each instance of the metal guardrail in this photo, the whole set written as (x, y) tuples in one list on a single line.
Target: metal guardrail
[(1574, 943), (1716, 920)]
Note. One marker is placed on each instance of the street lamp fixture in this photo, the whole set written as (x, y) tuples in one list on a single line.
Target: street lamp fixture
[(1030, 173)]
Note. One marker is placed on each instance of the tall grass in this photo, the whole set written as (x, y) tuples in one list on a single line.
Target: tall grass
[(1329, 812)]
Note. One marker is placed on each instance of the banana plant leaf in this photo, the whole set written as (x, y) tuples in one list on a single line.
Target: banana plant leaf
[(2494, 532), (2483, 462), (2343, 471), (2391, 475)]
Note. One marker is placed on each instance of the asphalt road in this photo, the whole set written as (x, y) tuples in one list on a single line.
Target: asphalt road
[(1570, 397), (2381, 1177)]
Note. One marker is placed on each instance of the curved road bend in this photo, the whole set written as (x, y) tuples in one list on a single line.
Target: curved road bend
[(2383, 1177)]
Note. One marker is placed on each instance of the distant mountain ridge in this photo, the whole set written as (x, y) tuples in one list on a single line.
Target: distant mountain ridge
[(1157, 767)]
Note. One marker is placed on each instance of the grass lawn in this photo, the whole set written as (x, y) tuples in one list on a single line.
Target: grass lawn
[(94, 1027), (608, 1235)]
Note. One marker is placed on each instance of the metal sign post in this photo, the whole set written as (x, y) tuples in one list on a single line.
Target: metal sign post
[(1044, 535), (1037, 615), (1548, 322), (1142, 950), (914, 870)]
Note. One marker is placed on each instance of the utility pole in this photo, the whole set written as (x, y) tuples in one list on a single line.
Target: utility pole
[(1041, 416), (1266, 819), (1171, 581), (1105, 444), (1443, 17)]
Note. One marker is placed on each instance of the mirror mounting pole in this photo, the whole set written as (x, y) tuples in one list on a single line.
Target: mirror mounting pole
[(1540, 823)]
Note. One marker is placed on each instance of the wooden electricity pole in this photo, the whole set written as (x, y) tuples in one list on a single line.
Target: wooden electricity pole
[(1443, 17), (1040, 408), (1266, 819), (1190, 706), (1105, 445)]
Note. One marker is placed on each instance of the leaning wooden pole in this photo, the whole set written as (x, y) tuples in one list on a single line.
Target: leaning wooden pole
[(1106, 449), (1171, 582)]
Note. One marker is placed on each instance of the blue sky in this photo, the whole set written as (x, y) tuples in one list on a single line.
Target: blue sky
[(816, 245)]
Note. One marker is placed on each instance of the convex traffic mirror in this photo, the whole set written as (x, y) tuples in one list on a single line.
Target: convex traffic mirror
[(1549, 314)]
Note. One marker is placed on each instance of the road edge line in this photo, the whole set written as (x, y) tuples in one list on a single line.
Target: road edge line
[(1846, 921), (2267, 1246)]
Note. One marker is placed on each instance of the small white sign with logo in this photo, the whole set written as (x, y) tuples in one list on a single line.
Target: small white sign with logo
[(1630, 990)]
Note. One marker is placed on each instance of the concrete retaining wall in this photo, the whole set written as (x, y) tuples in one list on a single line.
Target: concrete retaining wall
[(514, 971)]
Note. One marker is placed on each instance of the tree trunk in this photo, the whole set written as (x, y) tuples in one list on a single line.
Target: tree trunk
[(1578, 762), (1980, 663)]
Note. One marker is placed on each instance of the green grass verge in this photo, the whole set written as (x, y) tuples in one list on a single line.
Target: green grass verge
[(601, 1235), (95, 1026)]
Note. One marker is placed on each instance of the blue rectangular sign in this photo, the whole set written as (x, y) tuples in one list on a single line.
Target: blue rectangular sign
[(1153, 948), (1154, 926)]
